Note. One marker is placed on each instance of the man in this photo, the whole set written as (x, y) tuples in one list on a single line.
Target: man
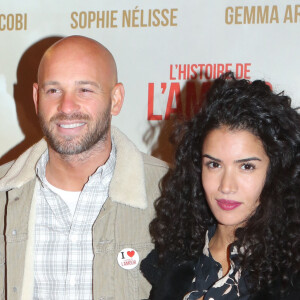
[(76, 206)]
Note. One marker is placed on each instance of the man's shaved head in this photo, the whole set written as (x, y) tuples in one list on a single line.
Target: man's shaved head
[(81, 47)]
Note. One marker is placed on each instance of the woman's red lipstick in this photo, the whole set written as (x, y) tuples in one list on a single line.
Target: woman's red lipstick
[(228, 204)]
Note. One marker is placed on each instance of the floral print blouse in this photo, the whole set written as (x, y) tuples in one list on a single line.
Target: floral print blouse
[(210, 282)]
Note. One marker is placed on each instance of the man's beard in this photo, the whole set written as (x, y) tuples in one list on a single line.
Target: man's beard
[(72, 144)]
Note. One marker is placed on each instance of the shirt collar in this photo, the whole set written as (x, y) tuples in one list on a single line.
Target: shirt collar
[(209, 234), (104, 172)]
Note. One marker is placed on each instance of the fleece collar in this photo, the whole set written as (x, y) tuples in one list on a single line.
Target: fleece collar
[(128, 182)]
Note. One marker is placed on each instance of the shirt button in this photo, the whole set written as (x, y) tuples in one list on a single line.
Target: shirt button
[(72, 281), (17, 198), (14, 232), (15, 289)]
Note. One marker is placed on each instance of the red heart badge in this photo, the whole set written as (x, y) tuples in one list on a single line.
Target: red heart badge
[(130, 253), (128, 258)]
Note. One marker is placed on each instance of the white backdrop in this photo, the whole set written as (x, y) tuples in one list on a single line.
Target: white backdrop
[(158, 46)]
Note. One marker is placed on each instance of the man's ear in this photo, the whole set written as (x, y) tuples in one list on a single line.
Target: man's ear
[(117, 98), (36, 96)]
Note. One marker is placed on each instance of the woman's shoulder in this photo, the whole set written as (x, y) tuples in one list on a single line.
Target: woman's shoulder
[(170, 279)]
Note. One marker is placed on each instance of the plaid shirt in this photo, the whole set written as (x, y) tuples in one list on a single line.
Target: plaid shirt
[(63, 261)]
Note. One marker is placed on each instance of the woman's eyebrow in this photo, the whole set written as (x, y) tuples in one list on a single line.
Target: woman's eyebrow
[(247, 159), (212, 158), (236, 161)]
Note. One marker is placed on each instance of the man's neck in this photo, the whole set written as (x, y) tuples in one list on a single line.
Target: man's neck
[(71, 172)]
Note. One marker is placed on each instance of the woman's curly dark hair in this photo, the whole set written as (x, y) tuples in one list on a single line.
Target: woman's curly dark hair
[(268, 245)]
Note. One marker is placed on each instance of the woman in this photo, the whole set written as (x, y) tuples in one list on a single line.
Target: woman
[(228, 219)]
